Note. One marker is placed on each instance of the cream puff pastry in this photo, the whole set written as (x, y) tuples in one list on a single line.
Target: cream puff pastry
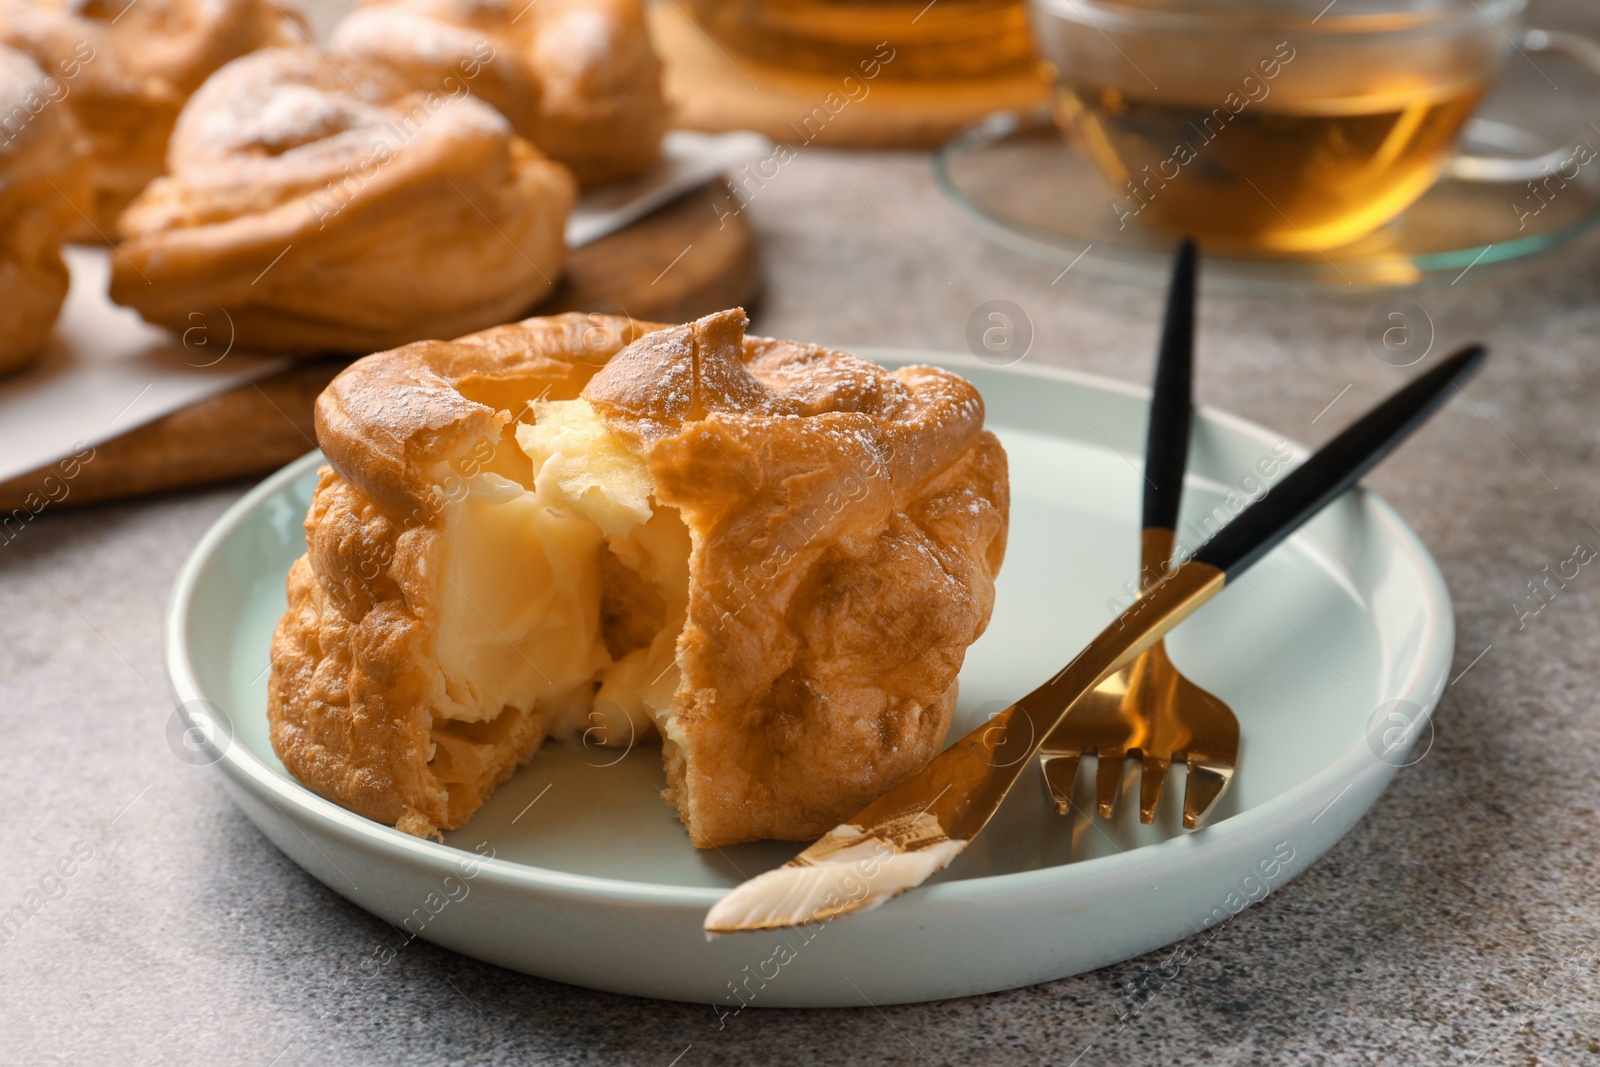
[(770, 555), (324, 207), (126, 69), (42, 166), (578, 78)]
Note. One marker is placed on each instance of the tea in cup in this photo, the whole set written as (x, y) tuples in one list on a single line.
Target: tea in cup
[(1272, 125)]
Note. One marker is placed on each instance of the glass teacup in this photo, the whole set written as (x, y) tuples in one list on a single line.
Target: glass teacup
[(1281, 125)]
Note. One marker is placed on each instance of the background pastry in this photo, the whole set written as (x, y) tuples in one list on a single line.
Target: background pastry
[(42, 164), (338, 208), (126, 69), (576, 77), (770, 554)]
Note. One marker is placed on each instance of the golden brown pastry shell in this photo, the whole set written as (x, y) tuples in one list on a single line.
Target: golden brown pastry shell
[(578, 78), (125, 70), (380, 215), (847, 525), (42, 167)]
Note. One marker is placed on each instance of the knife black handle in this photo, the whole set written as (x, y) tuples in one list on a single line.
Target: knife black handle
[(1335, 467), (1166, 445)]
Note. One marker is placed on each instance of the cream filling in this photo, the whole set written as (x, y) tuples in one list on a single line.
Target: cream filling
[(636, 691), (520, 620)]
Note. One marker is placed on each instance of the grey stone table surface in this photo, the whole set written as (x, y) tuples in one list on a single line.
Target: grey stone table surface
[(1457, 923)]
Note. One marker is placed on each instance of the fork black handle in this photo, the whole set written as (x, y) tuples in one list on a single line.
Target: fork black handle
[(1166, 443), (1335, 467)]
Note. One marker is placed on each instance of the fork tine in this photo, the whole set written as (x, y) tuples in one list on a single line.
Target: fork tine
[(1205, 786), (1152, 777), (1060, 775), (1108, 781)]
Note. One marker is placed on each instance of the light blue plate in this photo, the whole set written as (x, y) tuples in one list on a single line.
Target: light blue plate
[(1332, 652)]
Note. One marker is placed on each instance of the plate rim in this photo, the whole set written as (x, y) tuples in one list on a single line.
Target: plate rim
[(1423, 684)]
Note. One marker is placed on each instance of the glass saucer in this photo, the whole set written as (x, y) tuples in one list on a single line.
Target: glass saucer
[(1029, 187)]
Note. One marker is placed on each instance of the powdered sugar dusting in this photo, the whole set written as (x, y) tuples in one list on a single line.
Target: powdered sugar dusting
[(287, 116), (289, 119), (19, 76), (580, 40), (381, 32), (27, 97)]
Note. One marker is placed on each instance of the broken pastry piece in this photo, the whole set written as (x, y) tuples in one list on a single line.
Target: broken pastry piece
[(770, 556)]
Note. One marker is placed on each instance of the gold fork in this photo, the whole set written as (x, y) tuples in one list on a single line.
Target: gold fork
[(899, 840), (1149, 709)]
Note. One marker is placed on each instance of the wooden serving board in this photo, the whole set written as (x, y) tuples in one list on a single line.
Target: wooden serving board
[(690, 258), (714, 90)]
